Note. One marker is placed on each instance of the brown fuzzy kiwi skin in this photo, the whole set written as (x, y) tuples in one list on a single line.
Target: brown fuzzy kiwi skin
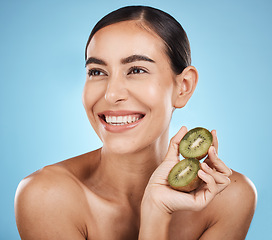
[(194, 184), (202, 156)]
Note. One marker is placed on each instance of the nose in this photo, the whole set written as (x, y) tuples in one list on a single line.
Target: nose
[(116, 91)]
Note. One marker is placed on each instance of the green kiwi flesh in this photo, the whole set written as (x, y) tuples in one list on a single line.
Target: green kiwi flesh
[(183, 176), (196, 143)]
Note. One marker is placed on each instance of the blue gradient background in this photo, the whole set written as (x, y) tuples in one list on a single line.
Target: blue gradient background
[(42, 76)]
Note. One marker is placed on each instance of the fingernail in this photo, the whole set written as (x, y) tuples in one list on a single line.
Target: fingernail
[(206, 166), (214, 150), (201, 172)]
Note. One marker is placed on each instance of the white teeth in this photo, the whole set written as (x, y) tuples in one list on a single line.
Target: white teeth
[(121, 120)]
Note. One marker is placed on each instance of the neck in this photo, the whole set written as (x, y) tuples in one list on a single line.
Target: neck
[(125, 176)]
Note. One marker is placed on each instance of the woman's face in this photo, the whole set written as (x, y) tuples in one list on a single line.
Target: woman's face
[(129, 90)]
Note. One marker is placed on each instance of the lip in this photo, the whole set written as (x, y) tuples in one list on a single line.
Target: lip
[(119, 128)]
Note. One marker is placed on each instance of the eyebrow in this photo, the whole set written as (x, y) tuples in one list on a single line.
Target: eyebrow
[(130, 59), (95, 60), (135, 58)]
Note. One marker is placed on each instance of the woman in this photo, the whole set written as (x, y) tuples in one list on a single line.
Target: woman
[(138, 72)]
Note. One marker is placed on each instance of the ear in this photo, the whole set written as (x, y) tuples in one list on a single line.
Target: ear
[(186, 84)]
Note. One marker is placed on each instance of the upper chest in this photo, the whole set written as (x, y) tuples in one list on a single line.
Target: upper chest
[(111, 221)]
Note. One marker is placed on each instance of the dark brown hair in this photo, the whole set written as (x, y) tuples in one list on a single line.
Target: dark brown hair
[(163, 24)]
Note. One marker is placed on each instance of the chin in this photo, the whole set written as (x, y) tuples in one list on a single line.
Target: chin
[(124, 146), (119, 148)]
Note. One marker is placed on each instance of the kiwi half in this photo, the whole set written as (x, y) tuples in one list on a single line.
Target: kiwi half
[(183, 176), (196, 143)]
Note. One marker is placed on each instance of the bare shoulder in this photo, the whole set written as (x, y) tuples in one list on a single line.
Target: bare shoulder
[(47, 204), (54, 181), (241, 193), (245, 186), (232, 210)]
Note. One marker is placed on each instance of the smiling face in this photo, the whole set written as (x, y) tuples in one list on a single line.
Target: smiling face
[(130, 88)]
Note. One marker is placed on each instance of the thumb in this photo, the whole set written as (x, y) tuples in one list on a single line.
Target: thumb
[(173, 150), (171, 158)]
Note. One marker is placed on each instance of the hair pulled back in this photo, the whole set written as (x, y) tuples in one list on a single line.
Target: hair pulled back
[(163, 24)]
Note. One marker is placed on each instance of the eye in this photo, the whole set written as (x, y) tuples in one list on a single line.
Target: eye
[(95, 72), (136, 70)]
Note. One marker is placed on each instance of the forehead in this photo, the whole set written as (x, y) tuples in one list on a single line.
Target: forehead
[(126, 38)]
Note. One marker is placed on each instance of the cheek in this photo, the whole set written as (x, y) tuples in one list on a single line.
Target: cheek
[(89, 100), (91, 96), (86, 96), (159, 96)]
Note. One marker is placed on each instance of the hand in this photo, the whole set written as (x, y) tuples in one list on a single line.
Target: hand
[(214, 173)]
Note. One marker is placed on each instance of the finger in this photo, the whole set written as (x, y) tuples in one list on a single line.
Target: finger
[(219, 178), (215, 140), (174, 144), (180, 134), (171, 158), (210, 188), (217, 163)]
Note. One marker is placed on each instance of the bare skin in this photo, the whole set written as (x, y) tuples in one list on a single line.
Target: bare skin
[(120, 191)]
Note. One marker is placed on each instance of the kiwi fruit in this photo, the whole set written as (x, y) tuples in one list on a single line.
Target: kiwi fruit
[(196, 143), (193, 147), (183, 176)]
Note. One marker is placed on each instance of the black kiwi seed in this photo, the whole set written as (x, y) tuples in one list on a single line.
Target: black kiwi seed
[(183, 176), (196, 143)]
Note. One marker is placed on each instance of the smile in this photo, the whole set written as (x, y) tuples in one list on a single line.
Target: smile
[(120, 121)]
